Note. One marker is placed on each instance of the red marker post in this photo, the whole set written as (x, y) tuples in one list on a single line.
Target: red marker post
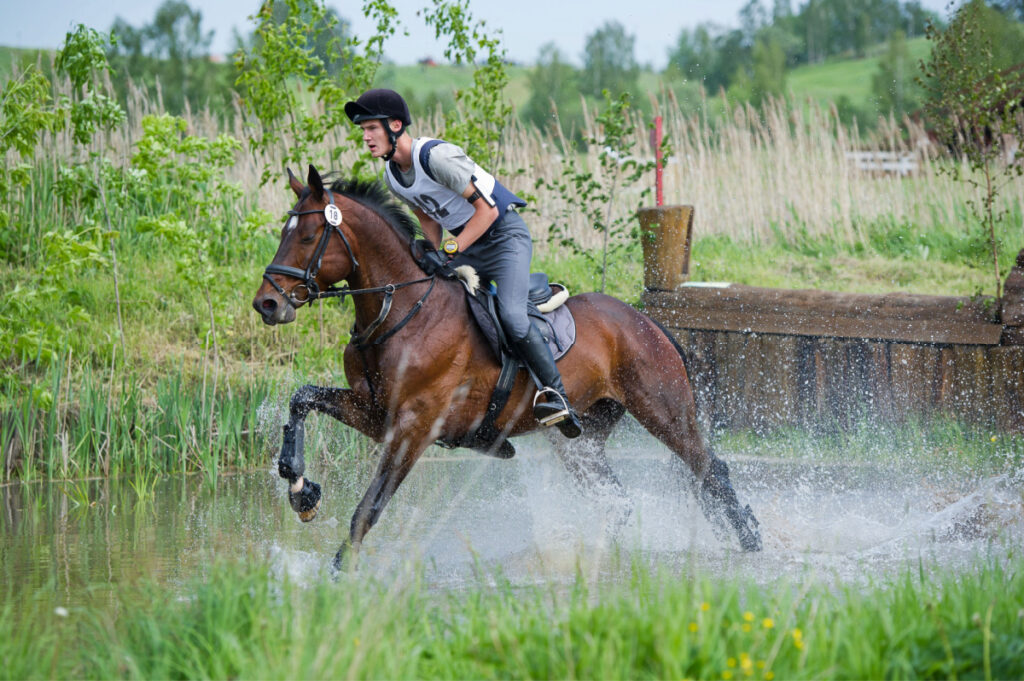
[(657, 158)]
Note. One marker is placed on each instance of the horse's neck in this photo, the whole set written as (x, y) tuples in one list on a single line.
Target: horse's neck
[(384, 258), (382, 253)]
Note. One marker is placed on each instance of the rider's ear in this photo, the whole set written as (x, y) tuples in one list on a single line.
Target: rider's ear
[(296, 183), (315, 183)]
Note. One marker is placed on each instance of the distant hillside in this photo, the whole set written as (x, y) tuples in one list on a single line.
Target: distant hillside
[(827, 82)]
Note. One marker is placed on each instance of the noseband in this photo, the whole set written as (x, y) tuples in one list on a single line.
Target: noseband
[(308, 275)]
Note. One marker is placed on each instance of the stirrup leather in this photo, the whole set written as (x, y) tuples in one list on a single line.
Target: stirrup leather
[(556, 415)]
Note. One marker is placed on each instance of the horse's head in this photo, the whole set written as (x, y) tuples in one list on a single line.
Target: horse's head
[(314, 253)]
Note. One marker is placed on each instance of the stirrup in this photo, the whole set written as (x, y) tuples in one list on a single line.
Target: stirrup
[(547, 413)]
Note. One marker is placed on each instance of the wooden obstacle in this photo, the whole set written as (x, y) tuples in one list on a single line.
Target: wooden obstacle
[(764, 358)]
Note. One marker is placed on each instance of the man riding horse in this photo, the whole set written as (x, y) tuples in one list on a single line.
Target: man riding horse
[(448, 190)]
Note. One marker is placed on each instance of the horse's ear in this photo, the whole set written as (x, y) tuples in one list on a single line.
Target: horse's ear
[(296, 183), (315, 183)]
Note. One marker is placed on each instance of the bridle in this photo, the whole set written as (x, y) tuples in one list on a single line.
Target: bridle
[(308, 283), (308, 275)]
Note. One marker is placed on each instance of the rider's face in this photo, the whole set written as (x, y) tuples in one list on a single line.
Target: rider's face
[(376, 137)]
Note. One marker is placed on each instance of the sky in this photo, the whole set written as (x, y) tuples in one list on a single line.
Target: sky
[(526, 24)]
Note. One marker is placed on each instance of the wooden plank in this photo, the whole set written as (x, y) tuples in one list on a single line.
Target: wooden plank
[(1008, 388), (913, 369), (732, 374), (879, 384), (807, 380), (896, 316)]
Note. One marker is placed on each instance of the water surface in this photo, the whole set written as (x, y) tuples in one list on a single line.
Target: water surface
[(461, 515)]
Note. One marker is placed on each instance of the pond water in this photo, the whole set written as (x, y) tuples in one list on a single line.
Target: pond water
[(75, 542)]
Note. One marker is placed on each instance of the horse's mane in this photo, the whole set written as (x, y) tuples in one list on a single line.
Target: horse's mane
[(375, 196)]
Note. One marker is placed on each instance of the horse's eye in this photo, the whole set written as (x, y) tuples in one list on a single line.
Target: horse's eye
[(308, 239)]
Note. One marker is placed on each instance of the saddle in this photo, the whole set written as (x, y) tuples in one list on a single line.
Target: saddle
[(545, 307)]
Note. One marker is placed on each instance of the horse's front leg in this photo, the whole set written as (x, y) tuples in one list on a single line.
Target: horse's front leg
[(345, 405), (406, 442)]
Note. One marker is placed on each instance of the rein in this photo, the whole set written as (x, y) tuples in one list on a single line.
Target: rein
[(312, 289)]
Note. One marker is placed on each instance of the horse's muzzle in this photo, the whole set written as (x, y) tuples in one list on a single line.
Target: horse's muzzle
[(272, 309)]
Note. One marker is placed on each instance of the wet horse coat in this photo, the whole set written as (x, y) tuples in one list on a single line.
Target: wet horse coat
[(430, 378)]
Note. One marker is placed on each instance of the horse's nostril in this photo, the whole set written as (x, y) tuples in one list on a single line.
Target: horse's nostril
[(268, 304)]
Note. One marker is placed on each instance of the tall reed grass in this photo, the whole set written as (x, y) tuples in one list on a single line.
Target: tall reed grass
[(751, 173)]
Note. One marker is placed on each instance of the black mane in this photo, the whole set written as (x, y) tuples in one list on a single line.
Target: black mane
[(375, 196)]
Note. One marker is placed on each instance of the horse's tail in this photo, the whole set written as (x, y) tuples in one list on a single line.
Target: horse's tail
[(674, 342)]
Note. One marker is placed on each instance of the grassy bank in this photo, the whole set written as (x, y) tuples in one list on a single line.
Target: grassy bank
[(235, 622)]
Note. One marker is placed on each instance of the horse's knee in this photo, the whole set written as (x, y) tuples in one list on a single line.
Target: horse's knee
[(302, 400)]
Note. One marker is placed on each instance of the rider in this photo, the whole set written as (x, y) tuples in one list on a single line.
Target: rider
[(458, 195)]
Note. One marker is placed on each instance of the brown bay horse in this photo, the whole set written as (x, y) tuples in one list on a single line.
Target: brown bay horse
[(420, 370)]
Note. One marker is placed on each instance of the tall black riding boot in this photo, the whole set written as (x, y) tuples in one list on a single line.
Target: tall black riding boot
[(551, 405)]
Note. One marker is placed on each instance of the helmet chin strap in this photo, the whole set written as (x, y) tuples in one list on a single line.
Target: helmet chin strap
[(393, 138)]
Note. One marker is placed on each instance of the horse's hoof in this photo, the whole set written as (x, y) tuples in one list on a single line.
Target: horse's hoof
[(306, 502), (750, 535), (506, 450), (345, 558), (291, 464)]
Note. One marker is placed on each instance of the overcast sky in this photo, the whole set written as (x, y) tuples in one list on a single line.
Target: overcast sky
[(525, 24)]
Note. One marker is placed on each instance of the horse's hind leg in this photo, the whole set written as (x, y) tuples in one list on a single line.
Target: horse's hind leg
[(661, 400), (718, 498), (587, 463), (304, 494)]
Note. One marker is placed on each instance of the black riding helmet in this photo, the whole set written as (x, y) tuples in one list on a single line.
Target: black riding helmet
[(381, 104)]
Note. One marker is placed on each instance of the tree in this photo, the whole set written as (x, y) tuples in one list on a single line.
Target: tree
[(769, 68), (609, 62), (554, 90), (329, 34), (973, 110), (171, 55), (696, 53), (893, 83), (1012, 8)]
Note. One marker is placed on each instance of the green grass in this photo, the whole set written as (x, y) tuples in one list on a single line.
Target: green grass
[(238, 622), (845, 77)]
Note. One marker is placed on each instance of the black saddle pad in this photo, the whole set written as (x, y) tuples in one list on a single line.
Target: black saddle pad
[(557, 327)]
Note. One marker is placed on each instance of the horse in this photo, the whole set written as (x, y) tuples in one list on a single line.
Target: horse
[(420, 371)]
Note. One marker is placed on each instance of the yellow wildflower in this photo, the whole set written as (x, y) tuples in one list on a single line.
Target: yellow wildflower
[(731, 662), (769, 675), (693, 627), (705, 606), (748, 616), (727, 674), (767, 623)]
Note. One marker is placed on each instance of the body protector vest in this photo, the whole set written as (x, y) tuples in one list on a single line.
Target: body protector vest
[(449, 208)]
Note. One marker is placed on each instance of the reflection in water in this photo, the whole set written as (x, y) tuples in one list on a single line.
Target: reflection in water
[(458, 515)]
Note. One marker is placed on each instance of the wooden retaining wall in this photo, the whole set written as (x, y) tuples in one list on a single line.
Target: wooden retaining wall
[(763, 358)]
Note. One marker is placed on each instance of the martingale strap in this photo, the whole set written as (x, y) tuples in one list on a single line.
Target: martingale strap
[(359, 340)]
